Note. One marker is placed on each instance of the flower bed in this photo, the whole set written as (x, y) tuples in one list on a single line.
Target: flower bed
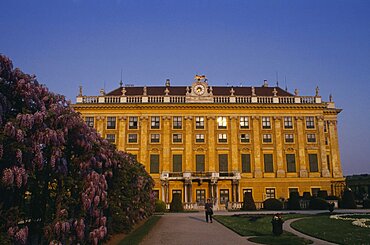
[(360, 220)]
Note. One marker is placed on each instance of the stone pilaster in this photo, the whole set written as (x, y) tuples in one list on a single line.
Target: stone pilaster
[(166, 137), (121, 133), (211, 144), (334, 148), (279, 148), (301, 147), (144, 141), (324, 164), (188, 143), (257, 147), (234, 143)]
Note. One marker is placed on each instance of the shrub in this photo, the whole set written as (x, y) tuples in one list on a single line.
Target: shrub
[(322, 194), (176, 204), (160, 206), (318, 204), (366, 203), (248, 203), (348, 199), (272, 204), (331, 198), (306, 195), (293, 202)]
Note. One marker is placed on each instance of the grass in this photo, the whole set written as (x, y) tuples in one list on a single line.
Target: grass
[(138, 235), (260, 227), (337, 231)]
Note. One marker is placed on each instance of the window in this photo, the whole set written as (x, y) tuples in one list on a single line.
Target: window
[(244, 138), (289, 138), (310, 122), (270, 193), (177, 123), (132, 123), (200, 196), (155, 122), (266, 124), (288, 122), (326, 126), (315, 191), (132, 138), (268, 162), (156, 194), (111, 138), (199, 122), (290, 163), (154, 138), (267, 138), (246, 163), (328, 161), (177, 138), (111, 122), (177, 163), (326, 140), (244, 122), (311, 138), (293, 189), (200, 162), (154, 164), (177, 193), (224, 196), (223, 163), (222, 138), (89, 121), (314, 165), (199, 138), (221, 122)]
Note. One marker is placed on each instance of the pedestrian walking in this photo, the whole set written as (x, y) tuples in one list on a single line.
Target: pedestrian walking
[(209, 210)]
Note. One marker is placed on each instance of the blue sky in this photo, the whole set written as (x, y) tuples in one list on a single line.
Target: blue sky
[(311, 43)]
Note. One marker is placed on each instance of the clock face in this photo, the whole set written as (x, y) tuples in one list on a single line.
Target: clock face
[(199, 89)]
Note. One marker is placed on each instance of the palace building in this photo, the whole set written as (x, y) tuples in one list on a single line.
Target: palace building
[(203, 141)]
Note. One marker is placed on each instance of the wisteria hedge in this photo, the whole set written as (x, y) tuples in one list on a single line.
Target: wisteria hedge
[(61, 183)]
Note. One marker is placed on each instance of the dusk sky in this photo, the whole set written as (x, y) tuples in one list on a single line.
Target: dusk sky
[(310, 43)]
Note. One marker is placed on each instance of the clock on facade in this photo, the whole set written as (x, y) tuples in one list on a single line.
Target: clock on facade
[(199, 89)]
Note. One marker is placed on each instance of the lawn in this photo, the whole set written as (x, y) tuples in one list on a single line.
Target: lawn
[(337, 231), (260, 227), (138, 235)]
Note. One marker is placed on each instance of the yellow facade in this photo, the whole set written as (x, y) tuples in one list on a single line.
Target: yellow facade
[(208, 144)]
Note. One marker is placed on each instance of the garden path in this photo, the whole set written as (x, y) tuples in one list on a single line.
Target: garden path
[(191, 228)]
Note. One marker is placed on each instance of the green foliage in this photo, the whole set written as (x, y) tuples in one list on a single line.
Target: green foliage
[(306, 195), (293, 202), (160, 206), (272, 204), (322, 194), (366, 203), (176, 204), (348, 200), (248, 203), (318, 204)]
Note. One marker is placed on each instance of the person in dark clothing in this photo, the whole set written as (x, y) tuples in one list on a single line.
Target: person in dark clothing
[(209, 210)]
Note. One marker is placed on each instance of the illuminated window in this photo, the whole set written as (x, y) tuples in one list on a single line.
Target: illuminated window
[(310, 122), (132, 138), (311, 138), (244, 122), (289, 138), (132, 122), (155, 122), (267, 138), (199, 138), (270, 193), (177, 138), (89, 121), (221, 122), (222, 138), (266, 124), (244, 138), (111, 122), (154, 138), (288, 122), (177, 123), (199, 122)]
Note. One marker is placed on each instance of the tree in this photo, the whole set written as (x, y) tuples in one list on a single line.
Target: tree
[(248, 203)]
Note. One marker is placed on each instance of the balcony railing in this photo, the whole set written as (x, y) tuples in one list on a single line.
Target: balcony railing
[(158, 99)]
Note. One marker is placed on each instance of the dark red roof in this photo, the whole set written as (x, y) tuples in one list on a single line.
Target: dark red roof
[(217, 90)]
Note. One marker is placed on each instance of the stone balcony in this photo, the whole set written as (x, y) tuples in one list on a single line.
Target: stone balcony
[(200, 176)]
